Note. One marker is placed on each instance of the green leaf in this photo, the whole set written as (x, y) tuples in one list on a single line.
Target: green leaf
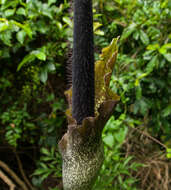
[(31, 57), (120, 179), (51, 67), (43, 76), (138, 92), (137, 81), (110, 125), (167, 111), (45, 151), (59, 25), (96, 25), (25, 27), (136, 107), (64, 45), (51, 2), (43, 165), (3, 1), (11, 3), (68, 21), (4, 26), (144, 38), (127, 160), (39, 171), (36, 181), (21, 36), (136, 35), (128, 31), (39, 54), (153, 47), (163, 50), (150, 66), (26, 59), (143, 106), (168, 153), (167, 46), (46, 175), (109, 140), (46, 159), (121, 135), (9, 12), (148, 55), (99, 32), (21, 11), (6, 38), (167, 57), (47, 13)]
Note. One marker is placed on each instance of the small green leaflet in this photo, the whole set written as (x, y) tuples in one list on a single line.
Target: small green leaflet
[(31, 57), (144, 38)]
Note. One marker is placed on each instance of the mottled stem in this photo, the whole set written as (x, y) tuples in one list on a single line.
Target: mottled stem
[(82, 150)]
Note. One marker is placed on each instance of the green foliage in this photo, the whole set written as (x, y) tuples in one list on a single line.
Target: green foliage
[(33, 43), (50, 123), (32, 31), (141, 78), (142, 74), (33, 37), (168, 153), (116, 170), (18, 124), (49, 164)]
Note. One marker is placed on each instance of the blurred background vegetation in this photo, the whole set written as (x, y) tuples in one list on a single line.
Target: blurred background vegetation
[(35, 49)]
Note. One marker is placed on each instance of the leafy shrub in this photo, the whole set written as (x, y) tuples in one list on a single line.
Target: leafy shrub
[(33, 43), (17, 125), (115, 173), (49, 164), (142, 73), (33, 37)]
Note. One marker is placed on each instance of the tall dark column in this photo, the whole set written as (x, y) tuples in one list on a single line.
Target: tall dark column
[(83, 61)]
